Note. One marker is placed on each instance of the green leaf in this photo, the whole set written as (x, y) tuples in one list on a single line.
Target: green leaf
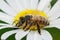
[(53, 2), (58, 17), (11, 37), (54, 32), (5, 1), (3, 22), (24, 38), (5, 30), (2, 11), (38, 1)]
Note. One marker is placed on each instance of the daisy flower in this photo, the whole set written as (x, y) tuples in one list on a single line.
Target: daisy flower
[(30, 17)]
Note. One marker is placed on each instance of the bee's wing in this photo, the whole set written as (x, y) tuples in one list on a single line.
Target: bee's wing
[(55, 11)]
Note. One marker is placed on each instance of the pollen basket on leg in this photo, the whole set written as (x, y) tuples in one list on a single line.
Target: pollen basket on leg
[(30, 19)]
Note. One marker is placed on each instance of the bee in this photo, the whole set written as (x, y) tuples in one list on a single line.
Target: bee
[(30, 20)]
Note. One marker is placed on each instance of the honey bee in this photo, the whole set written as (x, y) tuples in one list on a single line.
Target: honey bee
[(30, 20)]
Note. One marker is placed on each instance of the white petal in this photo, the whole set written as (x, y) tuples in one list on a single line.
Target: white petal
[(3, 27), (6, 8), (26, 3), (34, 4), (43, 4), (16, 4), (1, 24), (21, 34), (6, 18), (55, 11), (47, 9), (7, 34), (7, 26), (36, 36), (46, 35), (55, 23)]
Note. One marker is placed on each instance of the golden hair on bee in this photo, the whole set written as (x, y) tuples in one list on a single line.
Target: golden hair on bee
[(29, 21)]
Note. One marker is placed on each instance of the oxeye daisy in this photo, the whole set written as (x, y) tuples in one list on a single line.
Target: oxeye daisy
[(30, 17)]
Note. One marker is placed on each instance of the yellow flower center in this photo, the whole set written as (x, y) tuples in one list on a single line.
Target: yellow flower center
[(33, 13)]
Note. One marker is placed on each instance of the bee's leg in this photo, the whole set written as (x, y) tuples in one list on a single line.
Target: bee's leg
[(27, 18), (35, 22), (16, 28), (38, 27), (30, 24), (16, 24), (14, 21), (25, 25), (19, 24)]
